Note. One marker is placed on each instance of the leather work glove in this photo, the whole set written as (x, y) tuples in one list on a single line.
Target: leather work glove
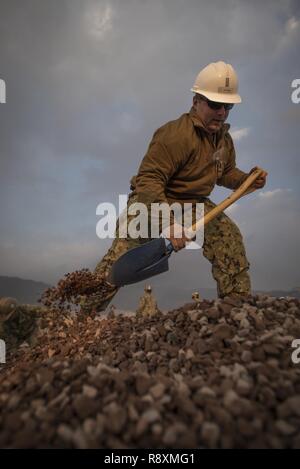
[(260, 182), (175, 234)]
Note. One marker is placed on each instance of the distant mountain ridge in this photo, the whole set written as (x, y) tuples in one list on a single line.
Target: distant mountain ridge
[(29, 291), (25, 291)]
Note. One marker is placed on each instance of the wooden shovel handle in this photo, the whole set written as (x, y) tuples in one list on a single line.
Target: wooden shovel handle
[(237, 194)]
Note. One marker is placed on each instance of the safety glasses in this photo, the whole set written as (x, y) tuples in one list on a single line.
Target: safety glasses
[(216, 106)]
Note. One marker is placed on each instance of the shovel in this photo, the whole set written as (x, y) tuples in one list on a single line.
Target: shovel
[(151, 258)]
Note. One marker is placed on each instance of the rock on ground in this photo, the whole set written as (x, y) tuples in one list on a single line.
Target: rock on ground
[(213, 374)]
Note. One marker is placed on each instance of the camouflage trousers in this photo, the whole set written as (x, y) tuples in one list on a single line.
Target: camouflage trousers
[(223, 246), (22, 326)]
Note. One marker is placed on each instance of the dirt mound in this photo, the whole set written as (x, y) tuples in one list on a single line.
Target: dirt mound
[(214, 374)]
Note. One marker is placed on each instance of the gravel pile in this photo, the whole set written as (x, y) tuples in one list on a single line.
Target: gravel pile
[(217, 374), (74, 289)]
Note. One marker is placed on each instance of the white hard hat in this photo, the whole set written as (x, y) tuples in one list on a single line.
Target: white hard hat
[(218, 82)]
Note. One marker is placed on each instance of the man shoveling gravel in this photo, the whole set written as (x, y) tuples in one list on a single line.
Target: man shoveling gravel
[(186, 158)]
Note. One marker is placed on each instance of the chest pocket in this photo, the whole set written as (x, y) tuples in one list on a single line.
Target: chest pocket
[(220, 158)]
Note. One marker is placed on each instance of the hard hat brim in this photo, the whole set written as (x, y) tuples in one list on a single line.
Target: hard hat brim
[(219, 97)]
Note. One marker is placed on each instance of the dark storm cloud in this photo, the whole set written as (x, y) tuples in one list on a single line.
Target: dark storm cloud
[(87, 85)]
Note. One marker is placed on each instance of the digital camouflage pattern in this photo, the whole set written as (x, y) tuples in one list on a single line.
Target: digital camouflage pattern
[(21, 325), (224, 248)]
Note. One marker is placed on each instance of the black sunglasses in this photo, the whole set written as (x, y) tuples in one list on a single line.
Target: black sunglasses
[(216, 106)]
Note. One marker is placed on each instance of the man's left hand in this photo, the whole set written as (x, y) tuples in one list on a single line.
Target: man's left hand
[(260, 182)]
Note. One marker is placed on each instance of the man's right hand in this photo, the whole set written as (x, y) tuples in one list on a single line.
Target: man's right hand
[(175, 234)]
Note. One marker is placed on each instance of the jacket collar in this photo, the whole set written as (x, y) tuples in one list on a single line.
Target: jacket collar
[(198, 123)]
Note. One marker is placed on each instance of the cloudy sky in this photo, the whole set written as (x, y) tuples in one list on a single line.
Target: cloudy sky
[(87, 84)]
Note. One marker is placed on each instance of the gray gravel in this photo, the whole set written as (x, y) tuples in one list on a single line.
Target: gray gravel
[(214, 375)]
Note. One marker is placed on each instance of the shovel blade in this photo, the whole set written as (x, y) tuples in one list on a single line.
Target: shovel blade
[(141, 263)]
